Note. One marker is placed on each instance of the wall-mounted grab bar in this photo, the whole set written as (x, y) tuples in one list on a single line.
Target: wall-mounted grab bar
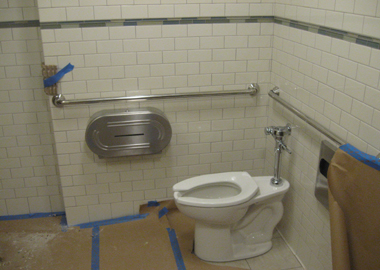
[(60, 101), (327, 150), (275, 94)]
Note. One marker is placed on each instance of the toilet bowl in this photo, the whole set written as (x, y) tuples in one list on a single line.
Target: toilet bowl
[(235, 214)]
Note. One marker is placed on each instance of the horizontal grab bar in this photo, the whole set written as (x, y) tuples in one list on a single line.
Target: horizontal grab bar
[(60, 101), (275, 94)]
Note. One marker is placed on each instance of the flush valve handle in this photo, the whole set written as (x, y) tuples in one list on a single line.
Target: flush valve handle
[(268, 130), (284, 147)]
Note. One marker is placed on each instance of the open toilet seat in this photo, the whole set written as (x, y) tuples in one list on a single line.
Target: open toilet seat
[(240, 181)]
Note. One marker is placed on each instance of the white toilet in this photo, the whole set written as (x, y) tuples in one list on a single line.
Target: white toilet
[(235, 214)]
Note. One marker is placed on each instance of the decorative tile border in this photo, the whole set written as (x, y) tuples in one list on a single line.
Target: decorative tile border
[(322, 30), (18, 24), (158, 21), (334, 33)]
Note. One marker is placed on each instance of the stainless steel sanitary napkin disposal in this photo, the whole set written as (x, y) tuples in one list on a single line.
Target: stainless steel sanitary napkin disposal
[(128, 132)]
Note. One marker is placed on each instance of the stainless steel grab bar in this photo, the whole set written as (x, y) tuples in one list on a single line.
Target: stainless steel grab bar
[(275, 94), (60, 101)]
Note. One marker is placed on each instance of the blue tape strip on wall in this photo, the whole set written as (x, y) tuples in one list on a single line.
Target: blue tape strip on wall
[(36, 215), (153, 203), (176, 250), (55, 78), (369, 160)]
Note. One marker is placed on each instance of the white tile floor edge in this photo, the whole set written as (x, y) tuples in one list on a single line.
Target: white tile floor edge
[(256, 263), (291, 249)]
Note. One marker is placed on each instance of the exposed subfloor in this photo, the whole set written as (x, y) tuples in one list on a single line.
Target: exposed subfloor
[(141, 243)]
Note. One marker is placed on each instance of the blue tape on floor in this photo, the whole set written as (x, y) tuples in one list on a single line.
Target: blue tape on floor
[(112, 221), (95, 249), (36, 215), (55, 78), (153, 203), (162, 212), (176, 250)]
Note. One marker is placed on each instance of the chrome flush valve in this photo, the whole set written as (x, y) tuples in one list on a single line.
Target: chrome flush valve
[(278, 133)]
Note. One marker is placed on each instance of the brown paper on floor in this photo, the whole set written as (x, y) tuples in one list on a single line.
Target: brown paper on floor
[(145, 244), (40, 244), (354, 213), (184, 229), (137, 245)]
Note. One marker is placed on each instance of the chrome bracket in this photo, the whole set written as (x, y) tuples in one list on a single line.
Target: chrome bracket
[(276, 90), (58, 100), (255, 88)]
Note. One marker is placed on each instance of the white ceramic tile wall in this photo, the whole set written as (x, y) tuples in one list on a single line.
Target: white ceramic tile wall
[(358, 16), (28, 168), (209, 134), (18, 10), (51, 10), (336, 83)]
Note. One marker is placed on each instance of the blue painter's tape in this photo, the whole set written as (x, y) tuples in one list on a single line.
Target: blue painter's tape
[(369, 160), (153, 203), (35, 215), (162, 212), (176, 250), (55, 78), (95, 248), (111, 221)]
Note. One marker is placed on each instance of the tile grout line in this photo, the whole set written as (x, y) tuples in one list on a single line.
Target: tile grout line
[(291, 249)]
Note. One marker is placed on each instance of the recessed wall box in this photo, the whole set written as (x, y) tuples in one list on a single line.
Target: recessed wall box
[(326, 153), (128, 132)]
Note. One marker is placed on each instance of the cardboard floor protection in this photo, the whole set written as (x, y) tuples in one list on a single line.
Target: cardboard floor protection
[(142, 244), (41, 244), (354, 189)]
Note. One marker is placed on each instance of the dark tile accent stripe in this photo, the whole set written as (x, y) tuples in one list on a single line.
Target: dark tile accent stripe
[(331, 32), (322, 30), (158, 21), (18, 24)]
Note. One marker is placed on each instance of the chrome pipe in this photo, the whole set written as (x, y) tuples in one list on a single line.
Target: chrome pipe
[(60, 101), (276, 180), (275, 94)]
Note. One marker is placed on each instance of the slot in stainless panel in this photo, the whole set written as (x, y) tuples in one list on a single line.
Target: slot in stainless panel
[(326, 153), (116, 133)]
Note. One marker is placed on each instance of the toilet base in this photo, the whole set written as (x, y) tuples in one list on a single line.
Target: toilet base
[(239, 252), (216, 244)]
